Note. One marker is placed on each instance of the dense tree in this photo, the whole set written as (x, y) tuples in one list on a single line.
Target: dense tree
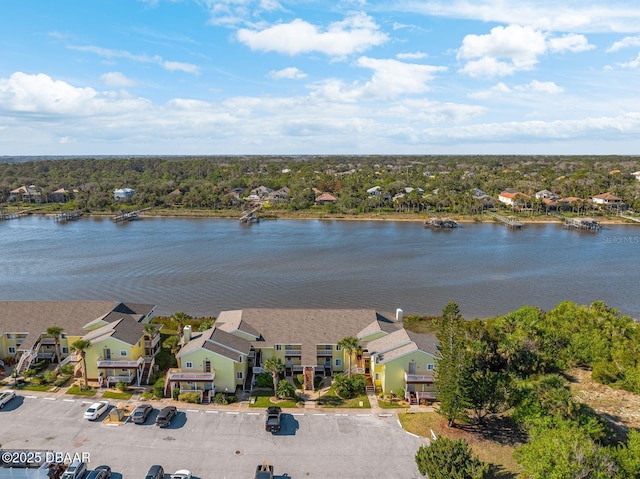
[(80, 347), (452, 369), (450, 459), (349, 345), (55, 332)]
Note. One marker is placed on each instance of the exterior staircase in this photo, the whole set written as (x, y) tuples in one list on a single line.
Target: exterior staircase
[(370, 388)]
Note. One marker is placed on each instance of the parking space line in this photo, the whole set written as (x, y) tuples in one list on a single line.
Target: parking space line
[(319, 414), (87, 402), (232, 412), (298, 414), (49, 399), (212, 412), (385, 415), (341, 414), (363, 415), (31, 397), (193, 410), (69, 400), (253, 414)]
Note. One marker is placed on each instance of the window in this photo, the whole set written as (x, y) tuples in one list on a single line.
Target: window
[(430, 367), (124, 371), (240, 359), (337, 348), (377, 376), (65, 350), (278, 347), (338, 362), (9, 336), (123, 352), (12, 350), (239, 375), (188, 365)]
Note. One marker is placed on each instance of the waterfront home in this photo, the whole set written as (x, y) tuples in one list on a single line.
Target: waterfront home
[(108, 325), (26, 194), (608, 200), (62, 195), (546, 194), (325, 198), (123, 194), (511, 197), (261, 192), (226, 357)]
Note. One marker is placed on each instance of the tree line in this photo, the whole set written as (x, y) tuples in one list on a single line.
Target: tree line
[(449, 182), (514, 366)]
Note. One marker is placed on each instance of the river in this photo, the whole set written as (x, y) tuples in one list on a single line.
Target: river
[(204, 266)]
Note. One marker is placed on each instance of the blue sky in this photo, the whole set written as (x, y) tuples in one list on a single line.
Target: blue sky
[(309, 77)]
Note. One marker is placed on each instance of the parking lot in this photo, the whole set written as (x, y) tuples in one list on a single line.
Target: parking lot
[(217, 443)]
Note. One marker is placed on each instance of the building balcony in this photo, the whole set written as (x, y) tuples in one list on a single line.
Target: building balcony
[(153, 343), (178, 375), (418, 378), (324, 352), (293, 352), (124, 364)]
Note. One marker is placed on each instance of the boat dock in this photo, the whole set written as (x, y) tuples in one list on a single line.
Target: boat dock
[(509, 221), (437, 222), (124, 216), (5, 215), (586, 224), (631, 218), (250, 216), (68, 216)]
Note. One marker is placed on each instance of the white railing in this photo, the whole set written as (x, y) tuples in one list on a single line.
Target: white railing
[(418, 378), (324, 352), (293, 352), (72, 358), (258, 370), (115, 364), (190, 376)]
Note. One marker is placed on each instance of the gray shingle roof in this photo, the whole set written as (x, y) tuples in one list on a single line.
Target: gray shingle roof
[(34, 317)]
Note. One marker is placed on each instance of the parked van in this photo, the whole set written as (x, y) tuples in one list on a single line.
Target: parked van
[(76, 470)]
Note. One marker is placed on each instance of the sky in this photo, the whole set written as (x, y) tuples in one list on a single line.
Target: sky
[(279, 77)]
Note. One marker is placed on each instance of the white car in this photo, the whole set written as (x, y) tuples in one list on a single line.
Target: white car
[(181, 474), (6, 396), (96, 410)]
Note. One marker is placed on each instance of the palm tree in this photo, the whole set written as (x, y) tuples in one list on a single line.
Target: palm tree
[(349, 344), (80, 346), (180, 318), (275, 366), (149, 332), (55, 332)]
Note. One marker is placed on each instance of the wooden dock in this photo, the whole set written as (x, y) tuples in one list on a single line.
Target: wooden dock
[(5, 215), (68, 216), (440, 223), (508, 221), (585, 224), (631, 218), (250, 216)]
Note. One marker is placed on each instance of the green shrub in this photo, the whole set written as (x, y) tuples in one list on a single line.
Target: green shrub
[(40, 365), (189, 397), (49, 376), (62, 380), (264, 380), (67, 369), (285, 390), (29, 373), (349, 387), (158, 388), (122, 386), (175, 394), (221, 399)]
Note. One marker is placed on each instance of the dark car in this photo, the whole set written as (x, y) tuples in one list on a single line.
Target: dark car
[(96, 474), (264, 471), (155, 472), (165, 416), (272, 424), (141, 413), (106, 469)]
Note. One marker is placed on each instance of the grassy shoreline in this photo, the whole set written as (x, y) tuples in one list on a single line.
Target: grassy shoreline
[(274, 214)]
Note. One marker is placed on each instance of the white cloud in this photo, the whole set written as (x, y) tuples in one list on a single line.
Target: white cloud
[(549, 15), (633, 63), (541, 86), (571, 42), (354, 34), (502, 52), (626, 42), (498, 89), (157, 59), (230, 13), (291, 73), (116, 80), (411, 56)]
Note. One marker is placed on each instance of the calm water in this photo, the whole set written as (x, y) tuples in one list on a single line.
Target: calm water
[(203, 266)]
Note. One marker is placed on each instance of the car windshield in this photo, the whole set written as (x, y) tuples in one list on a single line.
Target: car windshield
[(91, 409)]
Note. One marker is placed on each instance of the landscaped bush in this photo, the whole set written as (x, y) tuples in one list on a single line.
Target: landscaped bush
[(189, 397), (221, 399), (349, 387), (285, 390), (29, 373), (67, 369), (122, 386), (158, 388), (264, 380), (49, 376), (40, 365), (62, 380)]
